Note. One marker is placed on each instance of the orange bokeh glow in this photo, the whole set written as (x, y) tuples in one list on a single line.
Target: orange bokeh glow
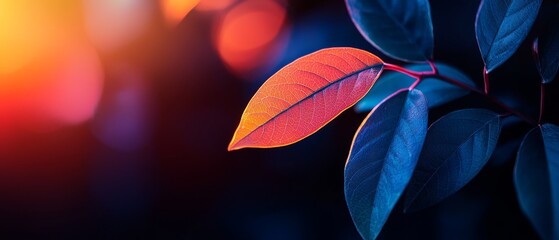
[(246, 32), (175, 10), (49, 74), (213, 5), (23, 35), (61, 87)]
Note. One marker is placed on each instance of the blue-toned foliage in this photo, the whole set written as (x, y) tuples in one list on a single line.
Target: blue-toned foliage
[(546, 48), (382, 158), (536, 178), (501, 26), (401, 29), (437, 92), (457, 146)]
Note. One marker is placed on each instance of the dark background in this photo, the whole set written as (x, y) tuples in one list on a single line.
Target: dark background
[(183, 184)]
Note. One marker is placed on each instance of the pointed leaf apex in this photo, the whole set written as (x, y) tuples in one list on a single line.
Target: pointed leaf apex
[(291, 106)]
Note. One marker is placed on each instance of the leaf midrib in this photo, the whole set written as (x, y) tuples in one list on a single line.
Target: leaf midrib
[(500, 26), (388, 150), (404, 29), (446, 160), (310, 96)]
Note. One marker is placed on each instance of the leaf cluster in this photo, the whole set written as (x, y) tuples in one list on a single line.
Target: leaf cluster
[(395, 152)]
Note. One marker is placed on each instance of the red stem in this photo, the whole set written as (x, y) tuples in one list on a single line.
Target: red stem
[(488, 97), (417, 81), (485, 80), (434, 69), (434, 73), (397, 68)]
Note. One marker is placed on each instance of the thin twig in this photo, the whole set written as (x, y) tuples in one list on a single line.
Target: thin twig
[(488, 97), (417, 81), (434, 69), (434, 73), (485, 80), (408, 72)]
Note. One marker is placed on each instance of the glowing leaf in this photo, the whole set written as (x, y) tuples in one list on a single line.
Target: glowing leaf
[(501, 26), (305, 95), (536, 178), (382, 158)]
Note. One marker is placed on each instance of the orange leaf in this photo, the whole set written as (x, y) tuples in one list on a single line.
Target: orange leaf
[(305, 95)]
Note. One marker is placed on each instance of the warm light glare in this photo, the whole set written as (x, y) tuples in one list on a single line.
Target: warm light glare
[(175, 10), (49, 74), (246, 32), (213, 5), (62, 87), (75, 88), (113, 23), (23, 34)]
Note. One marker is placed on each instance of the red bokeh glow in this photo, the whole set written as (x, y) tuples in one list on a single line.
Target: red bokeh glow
[(246, 34), (75, 86)]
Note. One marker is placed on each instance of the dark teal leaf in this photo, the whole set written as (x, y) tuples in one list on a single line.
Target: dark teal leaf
[(383, 155), (536, 178), (401, 29), (501, 26), (457, 146), (546, 48), (437, 92)]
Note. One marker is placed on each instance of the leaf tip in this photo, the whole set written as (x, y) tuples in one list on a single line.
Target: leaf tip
[(233, 148), (234, 145)]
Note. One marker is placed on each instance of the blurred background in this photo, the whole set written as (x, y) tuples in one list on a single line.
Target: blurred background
[(115, 116)]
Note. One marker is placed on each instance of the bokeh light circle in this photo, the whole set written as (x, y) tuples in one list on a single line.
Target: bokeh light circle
[(245, 35)]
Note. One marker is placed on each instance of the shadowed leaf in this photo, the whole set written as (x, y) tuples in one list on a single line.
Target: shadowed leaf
[(546, 48), (383, 155), (401, 29), (305, 95), (437, 92), (457, 146), (501, 26), (536, 178)]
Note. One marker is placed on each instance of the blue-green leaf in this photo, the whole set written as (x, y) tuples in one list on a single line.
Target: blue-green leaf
[(401, 29), (437, 92), (457, 146), (501, 26), (546, 49), (383, 155), (536, 178)]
